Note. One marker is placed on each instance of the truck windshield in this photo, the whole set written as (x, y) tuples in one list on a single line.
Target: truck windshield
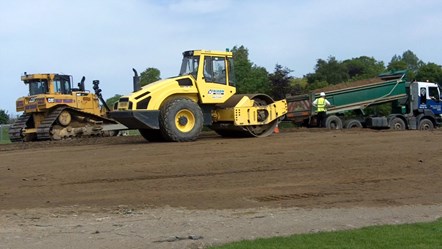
[(37, 86), (433, 92), (189, 65)]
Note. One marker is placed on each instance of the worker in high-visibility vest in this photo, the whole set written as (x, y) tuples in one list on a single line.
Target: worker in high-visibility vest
[(321, 105)]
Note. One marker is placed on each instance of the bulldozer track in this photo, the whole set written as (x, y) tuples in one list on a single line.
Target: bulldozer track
[(15, 131), (44, 130)]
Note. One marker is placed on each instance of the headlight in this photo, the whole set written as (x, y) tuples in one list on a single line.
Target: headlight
[(50, 100)]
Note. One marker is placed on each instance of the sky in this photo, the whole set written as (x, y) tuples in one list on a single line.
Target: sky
[(103, 40)]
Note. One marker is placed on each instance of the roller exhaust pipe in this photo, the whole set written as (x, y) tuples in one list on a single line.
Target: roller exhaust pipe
[(136, 80)]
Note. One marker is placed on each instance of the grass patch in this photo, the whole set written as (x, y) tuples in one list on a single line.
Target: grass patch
[(4, 136), (286, 125), (409, 236), (133, 133)]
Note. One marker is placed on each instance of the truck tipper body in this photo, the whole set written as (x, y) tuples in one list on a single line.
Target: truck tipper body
[(412, 105)]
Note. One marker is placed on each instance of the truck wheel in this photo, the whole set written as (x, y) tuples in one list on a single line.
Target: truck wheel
[(333, 122), (426, 125), (397, 124), (181, 120), (353, 123)]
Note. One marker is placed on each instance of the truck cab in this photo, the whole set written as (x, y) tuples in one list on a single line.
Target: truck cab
[(428, 97)]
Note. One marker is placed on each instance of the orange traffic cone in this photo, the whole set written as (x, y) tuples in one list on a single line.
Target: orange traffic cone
[(276, 130)]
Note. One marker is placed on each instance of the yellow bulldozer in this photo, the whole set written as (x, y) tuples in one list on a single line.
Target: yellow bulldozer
[(204, 94), (55, 110)]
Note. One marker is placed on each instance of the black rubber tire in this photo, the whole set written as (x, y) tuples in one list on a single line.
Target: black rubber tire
[(333, 122), (181, 120), (397, 124), (152, 135), (353, 123), (426, 125)]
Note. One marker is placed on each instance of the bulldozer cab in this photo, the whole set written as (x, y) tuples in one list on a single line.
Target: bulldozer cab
[(47, 83), (213, 72), (38, 86), (47, 91)]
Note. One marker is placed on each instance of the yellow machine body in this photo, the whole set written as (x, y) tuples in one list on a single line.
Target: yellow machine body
[(204, 93), (50, 90), (55, 110)]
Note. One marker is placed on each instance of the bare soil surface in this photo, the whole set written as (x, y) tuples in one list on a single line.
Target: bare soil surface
[(124, 192)]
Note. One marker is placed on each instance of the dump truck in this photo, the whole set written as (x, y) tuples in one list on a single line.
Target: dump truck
[(55, 110), (203, 94), (411, 105)]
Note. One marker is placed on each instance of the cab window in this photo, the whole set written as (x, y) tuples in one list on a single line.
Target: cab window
[(62, 85), (189, 65), (232, 80), (433, 93), (37, 87), (215, 70)]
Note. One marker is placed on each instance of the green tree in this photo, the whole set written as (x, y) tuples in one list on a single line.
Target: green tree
[(149, 75), (330, 71), (298, 86), (280, 82), (4, 117), (111, 101), (396, 64), (431, 72), (250, 78), (363, 67), (259, 80), (408, 61)]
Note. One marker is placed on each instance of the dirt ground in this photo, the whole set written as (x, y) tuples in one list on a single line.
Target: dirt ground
[(124, 191)]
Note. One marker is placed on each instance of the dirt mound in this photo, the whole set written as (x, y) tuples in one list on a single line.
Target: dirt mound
[(346, 85)]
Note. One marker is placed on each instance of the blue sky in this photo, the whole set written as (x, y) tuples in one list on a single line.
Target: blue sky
[(104, 40)]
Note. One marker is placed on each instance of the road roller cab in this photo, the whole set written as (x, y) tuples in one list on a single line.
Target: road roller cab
[(176, 109)]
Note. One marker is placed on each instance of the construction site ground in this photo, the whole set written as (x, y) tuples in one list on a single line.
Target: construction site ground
[(124, 192)]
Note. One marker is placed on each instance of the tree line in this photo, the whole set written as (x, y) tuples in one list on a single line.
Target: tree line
[(278, 84), (252, 78)]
